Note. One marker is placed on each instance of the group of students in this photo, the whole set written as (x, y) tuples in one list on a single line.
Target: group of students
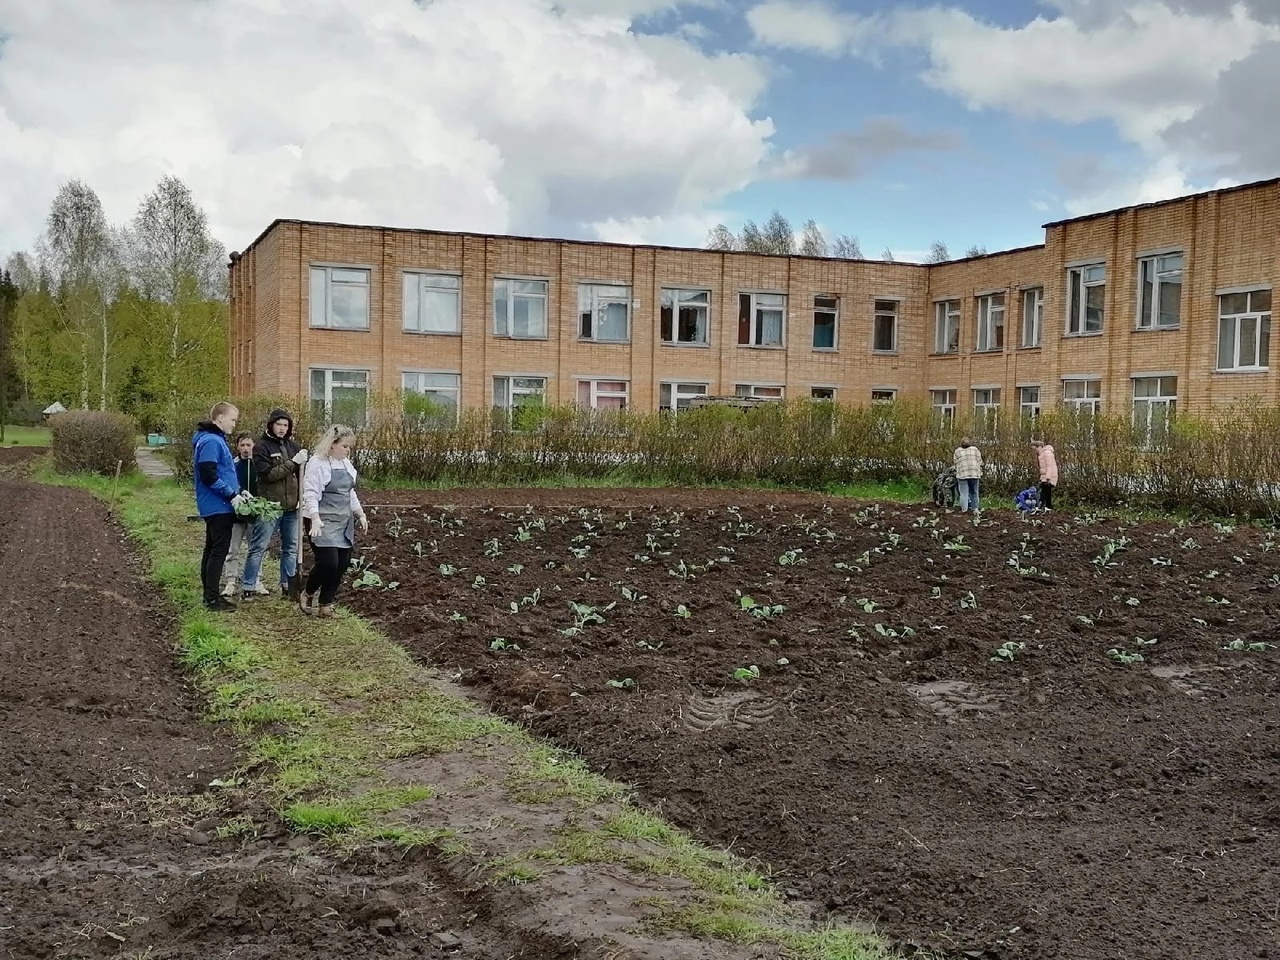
[(966, 475), (314, 491)]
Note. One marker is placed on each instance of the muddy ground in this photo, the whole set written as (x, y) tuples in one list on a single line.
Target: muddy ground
[(1061, 800), (110, 812)]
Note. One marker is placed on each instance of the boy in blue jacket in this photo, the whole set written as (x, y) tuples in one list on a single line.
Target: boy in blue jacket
[(1027, 501), (217, 496)]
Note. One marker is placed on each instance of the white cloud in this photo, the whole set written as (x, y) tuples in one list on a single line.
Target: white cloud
[(808, 25), (629, 9), (1163, 180), (1144, 71), (458, 114), (689, 230), (1145, 66), (1190, 82)]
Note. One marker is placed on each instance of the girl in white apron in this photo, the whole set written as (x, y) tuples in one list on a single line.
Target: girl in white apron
[(331, 511)]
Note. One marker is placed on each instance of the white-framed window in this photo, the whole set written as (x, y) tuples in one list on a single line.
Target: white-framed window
[(1032, 316), (1155, 401), (943, 403), (1082, 396), (1086, 298), (986, 408), (340, 396), (513, 393), (521, 399), (884, 327), (991, 323), (340, 298), (765, 391), (826, 318), (761, 319), (884, 396), (677, 396), (603, 394), (1160, 292), (1244, 330), (432, 302), (1029, 402), (946, 326), (686, 317), (604, 313), (986, 403), (432, 397), (823, 393), (520, 308)]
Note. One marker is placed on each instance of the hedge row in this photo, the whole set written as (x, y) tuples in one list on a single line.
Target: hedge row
[(1226, 466)]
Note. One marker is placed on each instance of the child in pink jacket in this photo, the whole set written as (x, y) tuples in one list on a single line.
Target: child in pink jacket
[(1048, 461)]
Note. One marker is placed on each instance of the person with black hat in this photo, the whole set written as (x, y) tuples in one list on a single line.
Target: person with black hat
[(278, 458)]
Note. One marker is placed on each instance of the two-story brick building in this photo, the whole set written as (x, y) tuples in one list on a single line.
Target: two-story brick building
[(1135, 310)]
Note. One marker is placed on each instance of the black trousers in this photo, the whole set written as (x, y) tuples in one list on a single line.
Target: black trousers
[(327, 570), (217, 543), (1046, 494)]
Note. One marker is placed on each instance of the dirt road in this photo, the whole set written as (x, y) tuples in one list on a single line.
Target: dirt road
[(112, 826)]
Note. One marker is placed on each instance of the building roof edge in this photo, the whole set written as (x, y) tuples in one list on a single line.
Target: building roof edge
[(1253, 185)]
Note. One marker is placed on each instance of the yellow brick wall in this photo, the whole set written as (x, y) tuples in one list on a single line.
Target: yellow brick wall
[(1227, 239)]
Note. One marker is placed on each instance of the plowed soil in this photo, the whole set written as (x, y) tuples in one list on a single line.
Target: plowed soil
[(1108, 787), (110, 809)]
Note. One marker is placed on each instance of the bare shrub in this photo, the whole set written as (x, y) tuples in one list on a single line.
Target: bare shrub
[(1225, 465), (92, 441)]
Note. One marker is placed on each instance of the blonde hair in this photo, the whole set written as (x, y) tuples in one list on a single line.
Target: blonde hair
[(219, 409), (336, 434)]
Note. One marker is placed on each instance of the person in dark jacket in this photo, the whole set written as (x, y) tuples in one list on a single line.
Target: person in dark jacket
[(217, 496), (278, 460)]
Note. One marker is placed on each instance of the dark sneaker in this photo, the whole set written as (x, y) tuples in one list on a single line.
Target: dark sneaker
[(221, 605), (247, 595)]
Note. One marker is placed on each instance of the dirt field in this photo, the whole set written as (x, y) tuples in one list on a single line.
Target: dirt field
[(109, 808), (1108, 790)]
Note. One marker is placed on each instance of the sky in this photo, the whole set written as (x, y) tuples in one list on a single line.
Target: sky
[(972, 122)]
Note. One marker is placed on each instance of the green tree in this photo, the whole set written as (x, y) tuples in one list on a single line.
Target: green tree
[(178, 268), (9, 295), (80, 257)]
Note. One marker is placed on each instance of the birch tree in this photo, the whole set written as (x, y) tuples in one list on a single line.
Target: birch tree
[(80, 256), (177, 267), (779, 237), (721, 238), (812, 242), (938, 253), (751, 239), (846, 247)]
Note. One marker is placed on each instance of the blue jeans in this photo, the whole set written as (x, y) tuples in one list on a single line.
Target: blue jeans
[(968, 491), (287, 523)]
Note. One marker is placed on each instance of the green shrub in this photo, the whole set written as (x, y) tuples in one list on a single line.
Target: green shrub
[(92, 441)]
